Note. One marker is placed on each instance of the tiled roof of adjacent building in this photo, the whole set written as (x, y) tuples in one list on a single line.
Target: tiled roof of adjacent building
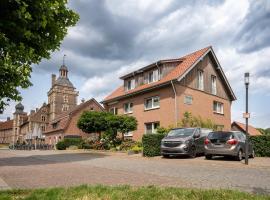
[(251, 129), (6, 125), (186, 62), (64, 119)]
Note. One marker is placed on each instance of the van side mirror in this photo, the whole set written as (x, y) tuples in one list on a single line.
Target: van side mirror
[(196, 135)]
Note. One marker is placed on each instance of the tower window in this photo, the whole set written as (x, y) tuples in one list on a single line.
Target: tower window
[(65, 108), (43, 118), (65, 99)]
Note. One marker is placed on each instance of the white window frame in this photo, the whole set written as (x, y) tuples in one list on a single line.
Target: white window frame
[(130, 84), (155, 76), (214, 85), (218, 107), (152, 103), (130, 108), (188, 99), (128, 134), (153, 130), (113, 110), (200, 80)]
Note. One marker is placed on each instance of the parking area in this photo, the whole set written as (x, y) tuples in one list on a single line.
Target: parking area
[(35, 169)]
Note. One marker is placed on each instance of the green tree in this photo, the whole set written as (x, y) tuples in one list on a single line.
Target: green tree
[(127, 124), (97, 122), (93, 122), (29, 31)]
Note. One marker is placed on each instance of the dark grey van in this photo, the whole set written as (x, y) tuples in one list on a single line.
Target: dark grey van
[(184, 141)]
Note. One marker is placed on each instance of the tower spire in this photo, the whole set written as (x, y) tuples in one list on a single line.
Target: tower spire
[(64, 59)]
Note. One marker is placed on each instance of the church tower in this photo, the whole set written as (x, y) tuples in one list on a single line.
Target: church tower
[(63, 95)]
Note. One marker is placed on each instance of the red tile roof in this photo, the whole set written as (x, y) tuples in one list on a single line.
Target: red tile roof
[(187, 62), (64, 119), (251, 129), (6, 125)]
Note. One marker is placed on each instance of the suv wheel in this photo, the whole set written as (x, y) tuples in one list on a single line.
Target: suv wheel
[(239, 156), (192, 153), (208, 157), (252, 154)]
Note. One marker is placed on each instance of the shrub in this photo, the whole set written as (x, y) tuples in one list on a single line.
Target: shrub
[(127, 145), (136, 149), (67, 142), (61, 145), (261, 145), (151, 144)]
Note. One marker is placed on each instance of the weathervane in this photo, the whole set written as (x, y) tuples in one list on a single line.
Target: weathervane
[(64, 59)]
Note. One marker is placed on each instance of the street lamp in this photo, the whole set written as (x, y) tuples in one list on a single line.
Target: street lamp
[(246, 115)]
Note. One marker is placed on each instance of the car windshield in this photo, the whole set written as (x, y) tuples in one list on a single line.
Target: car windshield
[(181, 132), (220, 135)]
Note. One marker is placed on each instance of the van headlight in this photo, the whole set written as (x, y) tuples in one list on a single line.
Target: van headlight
[(187, 141)]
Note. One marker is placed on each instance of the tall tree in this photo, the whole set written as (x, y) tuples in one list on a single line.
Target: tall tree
[(29, 31), (127, 124), (93, 122)]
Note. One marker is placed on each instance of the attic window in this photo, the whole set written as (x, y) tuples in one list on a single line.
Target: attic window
[(54, 125)]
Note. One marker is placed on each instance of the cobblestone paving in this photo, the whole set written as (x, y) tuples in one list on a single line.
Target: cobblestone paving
[(32, 169)]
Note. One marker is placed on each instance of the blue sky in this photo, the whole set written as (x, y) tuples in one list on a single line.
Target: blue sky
[(115, 37)]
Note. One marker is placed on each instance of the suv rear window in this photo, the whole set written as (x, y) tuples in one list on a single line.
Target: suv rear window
[(221, 135)]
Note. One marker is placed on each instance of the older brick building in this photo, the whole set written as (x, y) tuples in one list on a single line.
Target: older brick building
[(159, 94), (55, 119)]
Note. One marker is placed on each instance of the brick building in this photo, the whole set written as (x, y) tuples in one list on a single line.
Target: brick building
[(160, 93), (55, 119), (238, 126)]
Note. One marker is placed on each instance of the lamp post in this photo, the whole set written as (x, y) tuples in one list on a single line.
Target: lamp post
[(246, 115)]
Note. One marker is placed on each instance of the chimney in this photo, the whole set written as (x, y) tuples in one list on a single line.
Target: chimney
[(32, 112), (83, 100), (36, 109), (8, 118), (53, 79)]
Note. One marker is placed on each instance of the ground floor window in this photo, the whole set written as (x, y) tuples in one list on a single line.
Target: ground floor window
[(151, 127), (219, 127), (218, 107)]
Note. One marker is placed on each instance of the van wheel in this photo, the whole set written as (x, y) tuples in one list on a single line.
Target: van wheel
[(252, 154), (208, 157), (192, 153), (239, 156)]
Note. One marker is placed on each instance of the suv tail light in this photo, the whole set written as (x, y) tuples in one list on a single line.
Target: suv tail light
[(232, 141), (206, 141)]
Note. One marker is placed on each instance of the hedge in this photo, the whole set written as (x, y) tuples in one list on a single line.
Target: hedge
[(67, 142), (261, 145), (151, 144)]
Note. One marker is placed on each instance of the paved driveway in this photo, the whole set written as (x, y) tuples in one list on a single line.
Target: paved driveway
[(33, 169)]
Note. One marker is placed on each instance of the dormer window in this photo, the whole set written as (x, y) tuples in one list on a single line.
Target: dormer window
[(153, 76), (130, 84)]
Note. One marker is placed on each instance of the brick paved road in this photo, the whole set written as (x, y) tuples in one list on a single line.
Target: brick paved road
[(32, 169)]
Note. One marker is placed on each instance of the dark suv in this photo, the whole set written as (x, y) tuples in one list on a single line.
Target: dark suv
[(230, 143), (184, 141)]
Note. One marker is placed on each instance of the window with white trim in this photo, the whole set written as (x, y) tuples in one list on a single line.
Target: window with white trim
[(151, 127), (218, 107), (153, 76), (213, 84), (130, 84), (151, 103), (200, 80), (188, 99), (128, 108), (113, 110)]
